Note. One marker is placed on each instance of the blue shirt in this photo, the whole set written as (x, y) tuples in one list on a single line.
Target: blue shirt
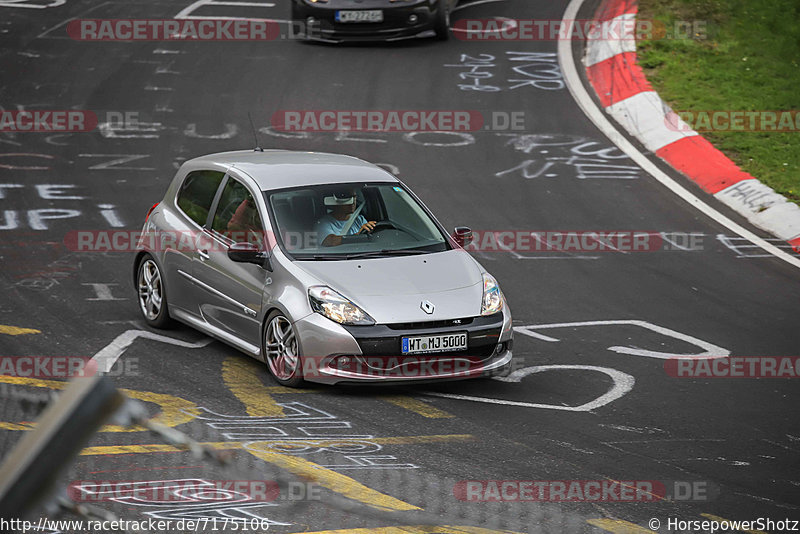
[(330, 225)]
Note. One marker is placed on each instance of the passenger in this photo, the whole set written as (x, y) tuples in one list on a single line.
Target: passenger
[(245, 224)]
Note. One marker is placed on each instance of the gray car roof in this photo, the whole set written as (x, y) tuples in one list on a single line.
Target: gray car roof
[(277, 169)]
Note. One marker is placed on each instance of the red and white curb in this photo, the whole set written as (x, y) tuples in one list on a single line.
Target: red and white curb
[(626, 96)]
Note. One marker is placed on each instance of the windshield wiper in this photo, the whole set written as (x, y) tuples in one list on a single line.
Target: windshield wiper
[(321, 257), (387, 252)]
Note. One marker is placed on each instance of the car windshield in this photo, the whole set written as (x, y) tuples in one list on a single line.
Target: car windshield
[(348, 221)]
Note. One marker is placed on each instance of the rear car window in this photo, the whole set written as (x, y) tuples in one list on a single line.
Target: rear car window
[(197, 193)]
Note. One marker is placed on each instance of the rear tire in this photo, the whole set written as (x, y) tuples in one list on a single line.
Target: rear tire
[(280, 349), (151, 295), (441, 24)]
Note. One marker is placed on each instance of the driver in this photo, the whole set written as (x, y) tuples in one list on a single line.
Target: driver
[(330, 227)]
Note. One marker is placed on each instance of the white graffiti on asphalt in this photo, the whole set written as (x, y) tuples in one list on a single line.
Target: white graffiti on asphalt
[(303, 430), (538, 70), (583, 156)]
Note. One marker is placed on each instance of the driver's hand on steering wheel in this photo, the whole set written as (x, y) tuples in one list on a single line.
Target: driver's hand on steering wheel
[(367, 227)]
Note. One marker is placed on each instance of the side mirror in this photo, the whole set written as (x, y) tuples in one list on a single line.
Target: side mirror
[(463, 236), (249, 253)]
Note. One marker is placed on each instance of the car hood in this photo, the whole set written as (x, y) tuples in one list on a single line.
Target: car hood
[(392, 289)]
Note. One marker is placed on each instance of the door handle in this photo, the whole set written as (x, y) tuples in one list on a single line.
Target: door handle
[(203, 255)]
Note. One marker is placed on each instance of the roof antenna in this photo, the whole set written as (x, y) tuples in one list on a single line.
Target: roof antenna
[(255, 134)]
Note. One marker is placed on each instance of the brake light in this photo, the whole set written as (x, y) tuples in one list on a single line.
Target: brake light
[(151, 211)]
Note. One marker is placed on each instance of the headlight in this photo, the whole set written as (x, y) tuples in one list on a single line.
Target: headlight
[(492, 296), (335, 307)]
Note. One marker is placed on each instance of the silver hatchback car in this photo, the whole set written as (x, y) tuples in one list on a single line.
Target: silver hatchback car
[(323, 266)]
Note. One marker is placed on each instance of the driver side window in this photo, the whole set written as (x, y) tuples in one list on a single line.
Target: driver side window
[(237, 215)]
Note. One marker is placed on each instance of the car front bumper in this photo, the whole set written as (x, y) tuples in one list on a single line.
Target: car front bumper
[(334, 354), (398, 23)]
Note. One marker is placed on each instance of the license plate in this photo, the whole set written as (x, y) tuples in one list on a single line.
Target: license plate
[(364, 15), (437, 343)]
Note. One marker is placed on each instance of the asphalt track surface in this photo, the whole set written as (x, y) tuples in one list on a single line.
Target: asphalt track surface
[(741, 437)]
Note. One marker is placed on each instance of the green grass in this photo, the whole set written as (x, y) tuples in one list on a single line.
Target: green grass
[(747, 60)]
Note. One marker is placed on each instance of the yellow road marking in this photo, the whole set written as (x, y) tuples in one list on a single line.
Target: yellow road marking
[(16, 426), (721, 519), (17, 330), (240, 378), (417, 529), (332, 480), (409, 403), (284, 389), (618, 526), (155, 447), (251, 393), (417, 406), (228, 445), (174, 410)]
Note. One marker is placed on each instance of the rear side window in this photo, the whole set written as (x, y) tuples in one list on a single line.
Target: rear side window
[(197, 193)]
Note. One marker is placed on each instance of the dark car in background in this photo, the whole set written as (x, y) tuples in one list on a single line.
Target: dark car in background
[(371, 20)]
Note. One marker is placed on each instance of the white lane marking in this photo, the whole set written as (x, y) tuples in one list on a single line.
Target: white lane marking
[(710, 351), (109, 354), (186, 13), (540, 336), (731, 243), (28, 4), (594, 114), (83, 14), (115, 162), (110, 215), (230, 131), (102, 292), (623, 383), (519, 256), (471, 4)]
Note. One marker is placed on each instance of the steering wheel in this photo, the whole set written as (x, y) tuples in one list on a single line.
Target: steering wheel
[(383, 225)]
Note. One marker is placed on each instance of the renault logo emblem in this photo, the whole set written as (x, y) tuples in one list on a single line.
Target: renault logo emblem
[(427, 306)]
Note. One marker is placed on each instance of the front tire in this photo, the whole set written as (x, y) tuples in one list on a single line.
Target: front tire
[(151, 293), (441, 24), (280, 349)]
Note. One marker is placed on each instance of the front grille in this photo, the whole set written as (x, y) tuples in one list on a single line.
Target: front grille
[(483, 334), (431, 324), (481, 344)]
